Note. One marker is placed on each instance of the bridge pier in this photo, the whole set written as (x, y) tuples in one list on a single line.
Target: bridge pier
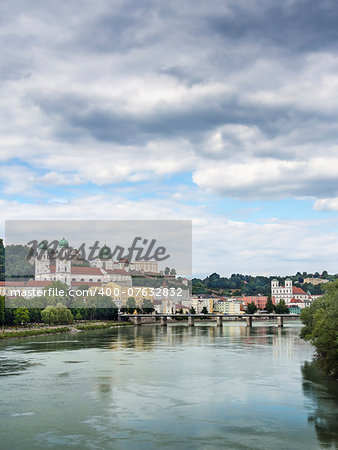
[(219, 321), (137, 320), (191, 321), (163, 321), (280, 321), (248, 321)]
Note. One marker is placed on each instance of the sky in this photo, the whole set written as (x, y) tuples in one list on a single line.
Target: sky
[(222, 112)]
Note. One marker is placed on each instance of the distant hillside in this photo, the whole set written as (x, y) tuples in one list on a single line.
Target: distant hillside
[(239, 284)]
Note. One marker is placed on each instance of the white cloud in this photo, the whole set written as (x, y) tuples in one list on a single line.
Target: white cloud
[(219, 244), (55, 178), (326, 204)]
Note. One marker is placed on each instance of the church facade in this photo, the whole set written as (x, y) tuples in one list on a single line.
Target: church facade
[(61, 269)]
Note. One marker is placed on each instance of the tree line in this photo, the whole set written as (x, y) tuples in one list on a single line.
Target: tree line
[(248, 285)]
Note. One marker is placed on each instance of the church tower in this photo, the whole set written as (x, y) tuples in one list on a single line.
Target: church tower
[(42, 263), (63, 263)]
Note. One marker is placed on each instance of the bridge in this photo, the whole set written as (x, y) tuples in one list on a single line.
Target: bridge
[(139, 319)]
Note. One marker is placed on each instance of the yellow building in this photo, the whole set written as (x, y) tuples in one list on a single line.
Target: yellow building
[(227, 307)]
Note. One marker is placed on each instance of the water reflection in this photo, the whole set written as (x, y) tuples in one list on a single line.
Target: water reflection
[(175, 387), (9, 367), (324, 394)]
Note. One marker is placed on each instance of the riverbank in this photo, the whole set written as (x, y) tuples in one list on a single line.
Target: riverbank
[(11, 333)]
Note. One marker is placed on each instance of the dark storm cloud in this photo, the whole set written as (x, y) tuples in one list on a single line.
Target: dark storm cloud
[(303, 25), (187, 121)]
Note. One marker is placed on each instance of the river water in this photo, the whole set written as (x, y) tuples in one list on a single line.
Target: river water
[(176, 387)]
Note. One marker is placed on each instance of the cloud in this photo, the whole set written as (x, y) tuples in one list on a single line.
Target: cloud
[(326, 204), (55, 178), (219, 243), (242, 94)]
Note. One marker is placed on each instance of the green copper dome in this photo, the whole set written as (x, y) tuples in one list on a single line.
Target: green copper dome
[(63, 243), (42, 245), (105, 252)]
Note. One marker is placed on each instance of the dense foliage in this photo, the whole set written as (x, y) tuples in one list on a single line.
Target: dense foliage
[(321, 328), (2, 261), (17, 265), (56, 315)]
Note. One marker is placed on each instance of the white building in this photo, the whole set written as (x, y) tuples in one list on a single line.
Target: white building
[(61, 269), (287, 292), (124, 264)]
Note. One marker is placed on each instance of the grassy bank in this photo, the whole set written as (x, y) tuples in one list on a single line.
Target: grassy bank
[(96, 326), (56, 330)]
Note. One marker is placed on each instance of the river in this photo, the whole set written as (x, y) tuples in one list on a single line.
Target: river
[(175, 387)]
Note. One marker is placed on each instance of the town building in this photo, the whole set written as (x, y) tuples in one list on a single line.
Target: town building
[(258, 300), (286, 292), (129, 266), (223, 306), (199, 303)]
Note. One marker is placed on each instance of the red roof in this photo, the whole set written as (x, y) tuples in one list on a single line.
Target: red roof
[(298, 290), (117, 271), (298, 300), (180, 306), (86, 283), (86, 270)]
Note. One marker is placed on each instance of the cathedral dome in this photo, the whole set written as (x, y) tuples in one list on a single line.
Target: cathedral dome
[(105, 252), (63, 243), (42, 246)]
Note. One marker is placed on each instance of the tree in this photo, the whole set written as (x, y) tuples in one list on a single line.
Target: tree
[(173, 272), (131, 303), (281, 308), (251, 308), (21, 316), (2, 261), (55, 288), (166, 271), (147, 306), (64, 315), (56, 315), (320, 321), (204, 310), (2, 310), (192, 310), (180, 311), (269, 306)]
